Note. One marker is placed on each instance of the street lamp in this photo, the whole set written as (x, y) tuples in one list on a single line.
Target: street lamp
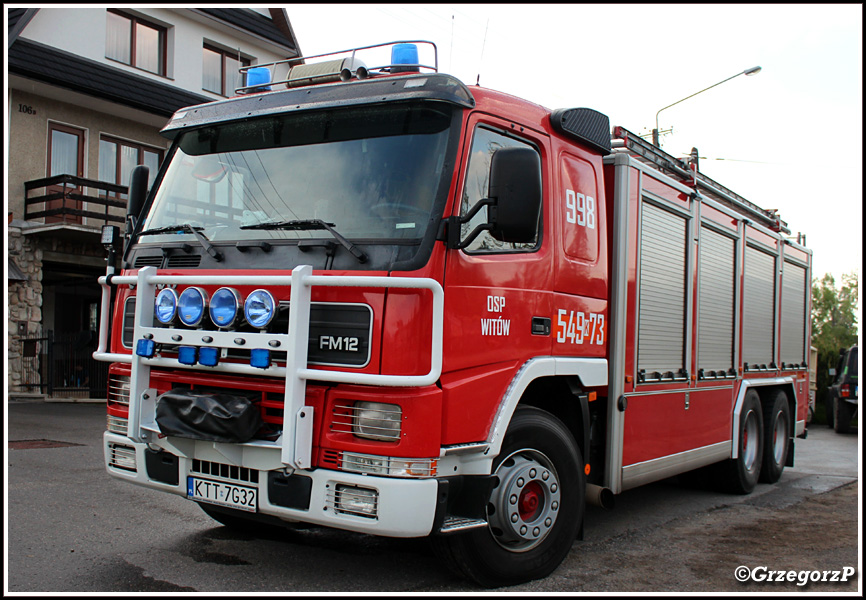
[(752, 71)]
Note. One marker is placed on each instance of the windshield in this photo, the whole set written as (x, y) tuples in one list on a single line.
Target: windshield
[(370, 173)]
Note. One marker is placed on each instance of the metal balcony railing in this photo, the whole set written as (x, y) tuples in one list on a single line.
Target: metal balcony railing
[(70, 199)]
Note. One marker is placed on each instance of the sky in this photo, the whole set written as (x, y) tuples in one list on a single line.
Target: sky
[(787, 138)]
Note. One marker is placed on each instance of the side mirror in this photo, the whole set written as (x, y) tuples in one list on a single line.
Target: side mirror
[(513, 202), (137, 190), (515, 185), (137, 196)]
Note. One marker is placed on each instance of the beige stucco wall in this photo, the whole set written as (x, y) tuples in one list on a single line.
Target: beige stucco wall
[(28, 135)]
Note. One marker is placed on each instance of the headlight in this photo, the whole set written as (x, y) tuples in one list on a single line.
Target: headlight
[(224, 307), (259, 309), (377, 421), (191, 306), (165, 309)]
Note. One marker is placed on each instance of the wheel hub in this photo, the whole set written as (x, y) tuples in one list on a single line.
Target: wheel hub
[(525, 504), (780, 437), (750, 441)]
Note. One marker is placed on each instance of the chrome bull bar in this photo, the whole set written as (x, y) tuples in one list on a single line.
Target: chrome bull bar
[(296, 441)]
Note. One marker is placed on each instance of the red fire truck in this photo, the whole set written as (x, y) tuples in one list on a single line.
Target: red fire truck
[(376, 299)]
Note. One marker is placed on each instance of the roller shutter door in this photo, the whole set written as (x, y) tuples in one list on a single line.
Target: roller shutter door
[(759, 299), (662, 281), (793, 342), (716, 303)]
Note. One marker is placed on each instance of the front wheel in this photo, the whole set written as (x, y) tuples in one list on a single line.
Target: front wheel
[(535, 510)]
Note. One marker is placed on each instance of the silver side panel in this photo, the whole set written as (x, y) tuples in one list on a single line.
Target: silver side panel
[(716, 302), (793, 338), (662, 292), (617, 308), (668, 466), (759, 307)]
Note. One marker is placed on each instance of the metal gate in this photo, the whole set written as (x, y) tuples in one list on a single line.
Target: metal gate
[(62, 364)]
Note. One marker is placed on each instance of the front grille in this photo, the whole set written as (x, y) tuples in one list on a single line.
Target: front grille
[(122, 457), (148, 261), (184, 261), (331, 458), (223, 471), (128, 322)]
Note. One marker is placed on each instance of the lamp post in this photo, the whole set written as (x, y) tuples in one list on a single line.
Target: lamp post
[(752, 71)]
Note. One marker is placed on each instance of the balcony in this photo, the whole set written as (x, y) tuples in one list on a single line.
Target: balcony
[(70, 200)]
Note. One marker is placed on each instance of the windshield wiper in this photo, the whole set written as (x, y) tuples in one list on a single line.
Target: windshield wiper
[(310, 224), (187, 228)]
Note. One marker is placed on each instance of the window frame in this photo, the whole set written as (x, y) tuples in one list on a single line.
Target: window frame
[(223, 54), (141, 148), (163, 42)]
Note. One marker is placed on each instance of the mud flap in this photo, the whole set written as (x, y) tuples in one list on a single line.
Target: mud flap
[(214, 417)]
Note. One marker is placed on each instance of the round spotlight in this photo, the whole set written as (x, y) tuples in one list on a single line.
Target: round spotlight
[(259, 309), (191, 306), (165, 308), (224, 305)]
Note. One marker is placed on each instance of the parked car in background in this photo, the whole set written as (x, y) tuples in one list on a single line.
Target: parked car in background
[(843, 392), (813, 383)]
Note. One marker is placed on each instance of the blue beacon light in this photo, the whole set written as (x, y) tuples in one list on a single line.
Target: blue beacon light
[(259, 77), (404, 54), (209, 356), (187, 355), (260, 358)]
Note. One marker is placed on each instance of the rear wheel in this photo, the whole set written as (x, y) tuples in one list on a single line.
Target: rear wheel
[(741, 473), (534, 512), (842, 416), (777, 427)]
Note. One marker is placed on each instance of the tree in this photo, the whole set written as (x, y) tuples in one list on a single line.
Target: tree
[(834, 323)]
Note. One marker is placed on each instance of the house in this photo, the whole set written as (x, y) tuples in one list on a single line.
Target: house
[(89, 88)]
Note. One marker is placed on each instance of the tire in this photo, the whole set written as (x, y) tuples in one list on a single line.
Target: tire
[(535, 511), (829, 409), (740, 475), (777, 430), (842, 414)]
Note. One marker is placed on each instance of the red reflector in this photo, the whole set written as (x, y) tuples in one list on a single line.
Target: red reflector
[(845, 391)]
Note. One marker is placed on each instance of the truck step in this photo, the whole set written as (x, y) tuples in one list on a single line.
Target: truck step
[(458, 524)]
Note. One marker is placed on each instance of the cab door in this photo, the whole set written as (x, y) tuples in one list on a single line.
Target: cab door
[(497, 293)]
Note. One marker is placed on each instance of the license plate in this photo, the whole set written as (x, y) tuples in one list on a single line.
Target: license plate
[(224, 494)]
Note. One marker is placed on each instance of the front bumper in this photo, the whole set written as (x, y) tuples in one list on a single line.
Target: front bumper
[(404, 507)]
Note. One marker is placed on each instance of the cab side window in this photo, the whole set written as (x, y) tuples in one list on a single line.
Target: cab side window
[(485, 142)]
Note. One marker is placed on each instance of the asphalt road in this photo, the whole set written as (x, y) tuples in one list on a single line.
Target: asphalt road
[(72, 528)]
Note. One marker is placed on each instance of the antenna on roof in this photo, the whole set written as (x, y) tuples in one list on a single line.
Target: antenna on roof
[(451, 49), (481, 60)]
